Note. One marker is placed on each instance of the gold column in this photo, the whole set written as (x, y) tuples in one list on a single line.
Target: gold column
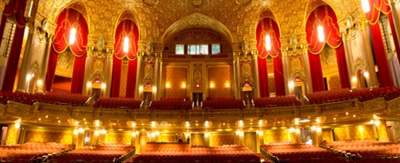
[(286, 72), (396, 18), (12, 134), (373, 80), (138, 93), (236, 67), (108, 74), (157, 79), (255, 74), (26, 63), (88, 71), (306, 64)]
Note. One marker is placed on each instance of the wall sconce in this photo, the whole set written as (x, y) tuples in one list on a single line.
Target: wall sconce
[(96, 133), (212, 85), (167, 85), (72, 36), (227, 85), (140, 88), (291, 84), (321, 33), (183, 85), (126, 45)]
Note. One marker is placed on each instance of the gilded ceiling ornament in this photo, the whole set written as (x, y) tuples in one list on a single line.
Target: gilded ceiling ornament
[(197, 3), (151, 2), (243, 2)]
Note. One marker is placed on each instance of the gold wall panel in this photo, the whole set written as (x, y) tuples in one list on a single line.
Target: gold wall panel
[(118, 137), (276, 136), (217, 139), (123, 81), (219, 76), (197, 139), (176, 76), (42, 136)]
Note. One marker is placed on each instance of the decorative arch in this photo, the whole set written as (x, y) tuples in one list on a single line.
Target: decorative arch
[(324, 16), (267, 26), (126, 29), (68, 19), (197, 21)]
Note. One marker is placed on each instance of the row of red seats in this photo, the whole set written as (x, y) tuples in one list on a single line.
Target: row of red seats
[(223, 104), (346, 94), (219, 98), (300, 152), (366, 148), (174, 98), (51, 98), (28, 151), (276, 101), (126, 103), (230, 154), (171, 105), (98, 153)]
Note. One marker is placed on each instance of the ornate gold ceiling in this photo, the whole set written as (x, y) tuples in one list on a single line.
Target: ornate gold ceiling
[(160, 19)]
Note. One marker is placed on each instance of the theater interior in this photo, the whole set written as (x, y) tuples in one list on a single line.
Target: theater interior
[(203, 81)]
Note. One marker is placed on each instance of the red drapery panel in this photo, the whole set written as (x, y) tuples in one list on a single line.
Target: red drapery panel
[(78, 74), (116, 76), (16, 9), (131, 80), (342, 67), (13, 58), (376, 7), (385, 78), (126, 28), (269, 27), (324, 16), (51, 68), (68, 19), (2, 25), (263, 77), (394, 34), (278, 76), (316, 72)]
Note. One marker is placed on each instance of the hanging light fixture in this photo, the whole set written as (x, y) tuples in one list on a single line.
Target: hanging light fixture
[(126, 45), (72, 36), (321, 35), (268, 45), (365, 6)]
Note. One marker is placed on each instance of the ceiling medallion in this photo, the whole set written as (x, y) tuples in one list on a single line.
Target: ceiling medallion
[(151, 2), (197, 3), (243, 2)]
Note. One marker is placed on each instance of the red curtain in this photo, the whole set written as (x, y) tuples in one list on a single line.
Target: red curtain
[(278, 76), (2, 25), (126, 28), (116, 76), (263, 77), (324, 16), (16, 9), (13, 58), (70, 18), (376, 7), (78, 75), (385, 78), (131, 81), (394, 34), (269, 27), (316, 72), (342, 67), (51, 69)]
